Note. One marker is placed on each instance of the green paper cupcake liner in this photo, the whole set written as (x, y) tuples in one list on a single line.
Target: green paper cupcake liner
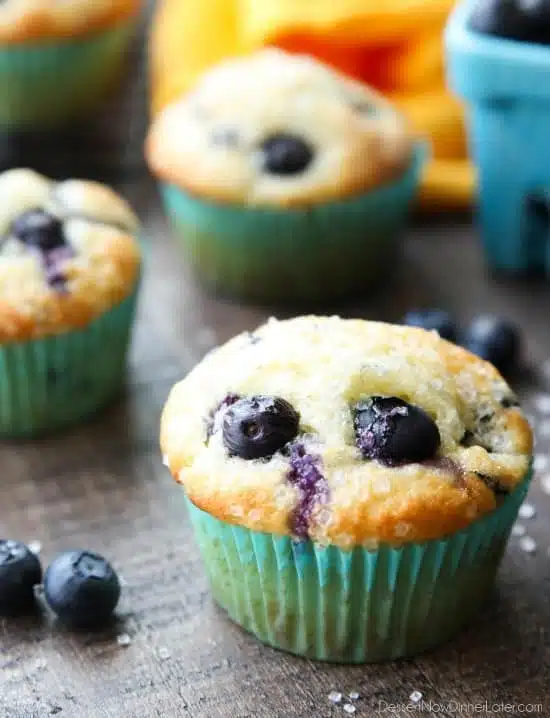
[(43, 85), (267, 254), (47, 384), (353, 606)]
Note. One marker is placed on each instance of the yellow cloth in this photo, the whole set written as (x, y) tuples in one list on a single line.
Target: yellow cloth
[(394, 45)]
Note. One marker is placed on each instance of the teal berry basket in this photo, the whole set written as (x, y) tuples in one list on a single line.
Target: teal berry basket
[(505, 83), (356, 606), (48, 384), (45, 85), (318, 253)]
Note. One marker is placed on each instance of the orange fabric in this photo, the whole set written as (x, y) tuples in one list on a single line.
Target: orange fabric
[(394, 45)]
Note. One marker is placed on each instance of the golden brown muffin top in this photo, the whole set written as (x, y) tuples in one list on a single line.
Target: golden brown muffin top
[(347, 432), (68, 253), (32, 20), (278, 129)]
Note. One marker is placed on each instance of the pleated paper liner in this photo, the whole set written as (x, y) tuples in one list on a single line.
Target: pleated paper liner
[(354, 606), (267, 254), (44, 85), (47, 384)]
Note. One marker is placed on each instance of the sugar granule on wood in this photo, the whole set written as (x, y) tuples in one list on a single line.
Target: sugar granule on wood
[(542, 404), (528, 544), (527, 511), (35, 547), (518, 530), (543, 430), (123, 640), (164, 654)]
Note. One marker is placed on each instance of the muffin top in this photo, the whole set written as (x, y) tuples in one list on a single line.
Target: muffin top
[(28, 20), (278, 129), (68, 252), (347, 432)]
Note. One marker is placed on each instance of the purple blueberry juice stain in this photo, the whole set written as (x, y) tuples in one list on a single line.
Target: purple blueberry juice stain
[(52, 264), (213, 422), (42, 233), (306, 476)]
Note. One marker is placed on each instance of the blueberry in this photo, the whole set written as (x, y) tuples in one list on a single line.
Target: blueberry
[(82, 588), (393, 431), (495, 340), (523, 20), (39, 229), (432, 320), (286, 154), (256, 427), (20, 572), (213, 421)]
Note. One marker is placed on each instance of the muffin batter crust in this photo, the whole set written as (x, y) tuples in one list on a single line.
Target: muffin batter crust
[(214, 141)]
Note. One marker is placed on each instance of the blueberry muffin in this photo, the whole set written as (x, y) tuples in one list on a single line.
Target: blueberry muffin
[(60, 59), (285, 180), (69, 273), (351, 484)]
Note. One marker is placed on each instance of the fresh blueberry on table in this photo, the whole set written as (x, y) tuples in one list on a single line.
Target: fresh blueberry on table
[(257, 427), (20, 572), (286, 154), (39, 229), (523, 20), (82, 588), (433, 320), (391, 430), (496, 340)]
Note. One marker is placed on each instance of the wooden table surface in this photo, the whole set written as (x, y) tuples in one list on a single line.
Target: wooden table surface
[(102, 486)]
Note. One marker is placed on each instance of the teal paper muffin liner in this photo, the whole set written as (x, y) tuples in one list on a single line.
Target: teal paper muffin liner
[(47, 384), (268, 254), (43, 85), (353, 606)]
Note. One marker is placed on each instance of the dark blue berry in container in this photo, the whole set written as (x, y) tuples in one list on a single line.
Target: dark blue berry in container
[(521, 20)]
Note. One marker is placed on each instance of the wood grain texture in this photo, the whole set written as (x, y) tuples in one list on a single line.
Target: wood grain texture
[(103, 486)]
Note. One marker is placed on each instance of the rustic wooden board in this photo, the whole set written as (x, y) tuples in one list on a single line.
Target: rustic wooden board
[(103, 486)]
